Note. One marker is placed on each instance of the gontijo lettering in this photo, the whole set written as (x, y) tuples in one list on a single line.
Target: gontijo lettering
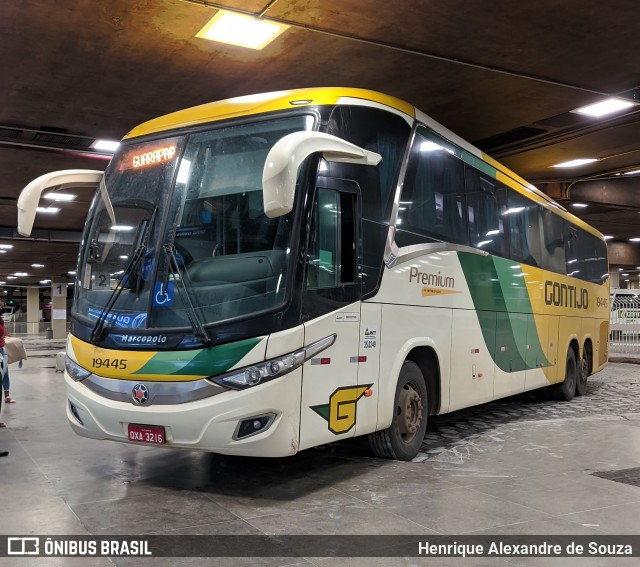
[(563, 295)]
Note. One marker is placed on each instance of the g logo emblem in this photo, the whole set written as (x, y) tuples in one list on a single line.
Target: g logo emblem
[(140, 394), (340, 412)]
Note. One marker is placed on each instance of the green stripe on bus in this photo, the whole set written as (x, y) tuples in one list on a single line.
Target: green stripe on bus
[(476, 162), (205, 362), (504, 311)]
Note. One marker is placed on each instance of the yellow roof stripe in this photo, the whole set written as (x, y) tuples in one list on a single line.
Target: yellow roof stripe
[(267, 102)]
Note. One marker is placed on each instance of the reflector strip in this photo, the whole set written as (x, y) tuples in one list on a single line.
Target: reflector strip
[(357, 359)]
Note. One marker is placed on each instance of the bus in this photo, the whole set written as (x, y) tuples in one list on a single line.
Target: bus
[(273, 272)]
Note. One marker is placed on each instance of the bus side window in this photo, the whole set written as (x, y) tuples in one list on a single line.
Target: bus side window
[(553, 249), (432, 203), (524, 229), (486, 206)]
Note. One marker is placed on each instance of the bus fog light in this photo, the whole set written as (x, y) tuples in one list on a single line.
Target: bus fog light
[(74, 411), (253, 425)]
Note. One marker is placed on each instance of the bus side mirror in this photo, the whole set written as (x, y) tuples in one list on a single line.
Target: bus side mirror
[(286, 156), (30, 195)]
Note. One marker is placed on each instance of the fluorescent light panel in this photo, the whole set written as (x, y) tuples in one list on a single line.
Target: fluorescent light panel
[(49, 210), (604, 107), (575, 162), (238, 29), (59, 196), (105, 145)]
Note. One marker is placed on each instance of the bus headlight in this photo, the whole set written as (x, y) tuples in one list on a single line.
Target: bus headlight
[(265, 371), (75, 370)]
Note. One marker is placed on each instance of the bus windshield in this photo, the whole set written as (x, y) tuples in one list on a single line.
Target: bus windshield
[(177, 235)]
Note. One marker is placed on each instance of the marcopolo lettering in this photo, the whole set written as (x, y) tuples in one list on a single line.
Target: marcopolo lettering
[(143, 339), (425, 278), (563, 295)]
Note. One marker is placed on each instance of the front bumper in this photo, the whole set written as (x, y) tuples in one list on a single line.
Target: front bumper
[(207, 424)]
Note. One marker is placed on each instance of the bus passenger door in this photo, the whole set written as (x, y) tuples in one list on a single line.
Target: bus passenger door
[(332, 399)]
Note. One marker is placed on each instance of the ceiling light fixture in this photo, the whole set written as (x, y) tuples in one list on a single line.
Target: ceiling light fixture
[(37, 265), (575, 162), (632, 172), (49, 210), (105, 145), (241, 30), (636, 239), (59, 196), (604, 107), (579, 205), (608, 237), (121, 227), (7, 246)]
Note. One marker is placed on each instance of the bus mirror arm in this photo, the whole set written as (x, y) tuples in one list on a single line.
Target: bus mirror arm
[(287, 155), (30, 195)]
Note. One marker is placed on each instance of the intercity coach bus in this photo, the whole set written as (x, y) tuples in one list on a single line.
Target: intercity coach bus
[(269, 273)]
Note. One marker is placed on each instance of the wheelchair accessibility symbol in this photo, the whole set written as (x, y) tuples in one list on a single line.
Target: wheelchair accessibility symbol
[(163, 294)]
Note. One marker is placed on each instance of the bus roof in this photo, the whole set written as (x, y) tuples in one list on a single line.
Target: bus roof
[(320, 96), (265, 102)]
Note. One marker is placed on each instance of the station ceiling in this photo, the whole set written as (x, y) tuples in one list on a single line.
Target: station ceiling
[(504, 75)]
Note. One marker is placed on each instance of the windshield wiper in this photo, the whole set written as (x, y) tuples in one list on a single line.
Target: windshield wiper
[(180, 277), (130, 269), (132, 266)]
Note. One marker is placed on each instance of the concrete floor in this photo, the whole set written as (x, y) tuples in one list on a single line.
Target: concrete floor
[(519, 466)]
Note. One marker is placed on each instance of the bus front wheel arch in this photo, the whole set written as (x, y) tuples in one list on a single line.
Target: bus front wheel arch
[(403, 438)]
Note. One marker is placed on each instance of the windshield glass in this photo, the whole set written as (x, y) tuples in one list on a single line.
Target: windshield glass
[(197, 199)]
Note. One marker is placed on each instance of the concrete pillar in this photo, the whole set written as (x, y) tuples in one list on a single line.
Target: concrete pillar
[(33, 310), (59, 308), (614, 279)]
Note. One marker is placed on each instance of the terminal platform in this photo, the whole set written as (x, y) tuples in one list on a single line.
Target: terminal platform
[(524, 465)]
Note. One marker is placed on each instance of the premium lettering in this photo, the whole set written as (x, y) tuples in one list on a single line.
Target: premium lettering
[(425, 278)]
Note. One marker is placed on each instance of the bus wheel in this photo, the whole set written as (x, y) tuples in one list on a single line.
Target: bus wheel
[(583, 373), (567, 389), (403, 439)]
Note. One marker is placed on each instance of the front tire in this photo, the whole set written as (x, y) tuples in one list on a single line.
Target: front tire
[(403, 439)]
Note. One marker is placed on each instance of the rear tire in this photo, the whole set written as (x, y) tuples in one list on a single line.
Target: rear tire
[(567, 389), (583, 373), (403, 439)]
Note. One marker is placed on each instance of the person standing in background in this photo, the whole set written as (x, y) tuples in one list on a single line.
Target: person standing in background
[(5, 378)]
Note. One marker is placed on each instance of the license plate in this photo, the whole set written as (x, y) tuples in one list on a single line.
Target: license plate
[(150, 434)]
